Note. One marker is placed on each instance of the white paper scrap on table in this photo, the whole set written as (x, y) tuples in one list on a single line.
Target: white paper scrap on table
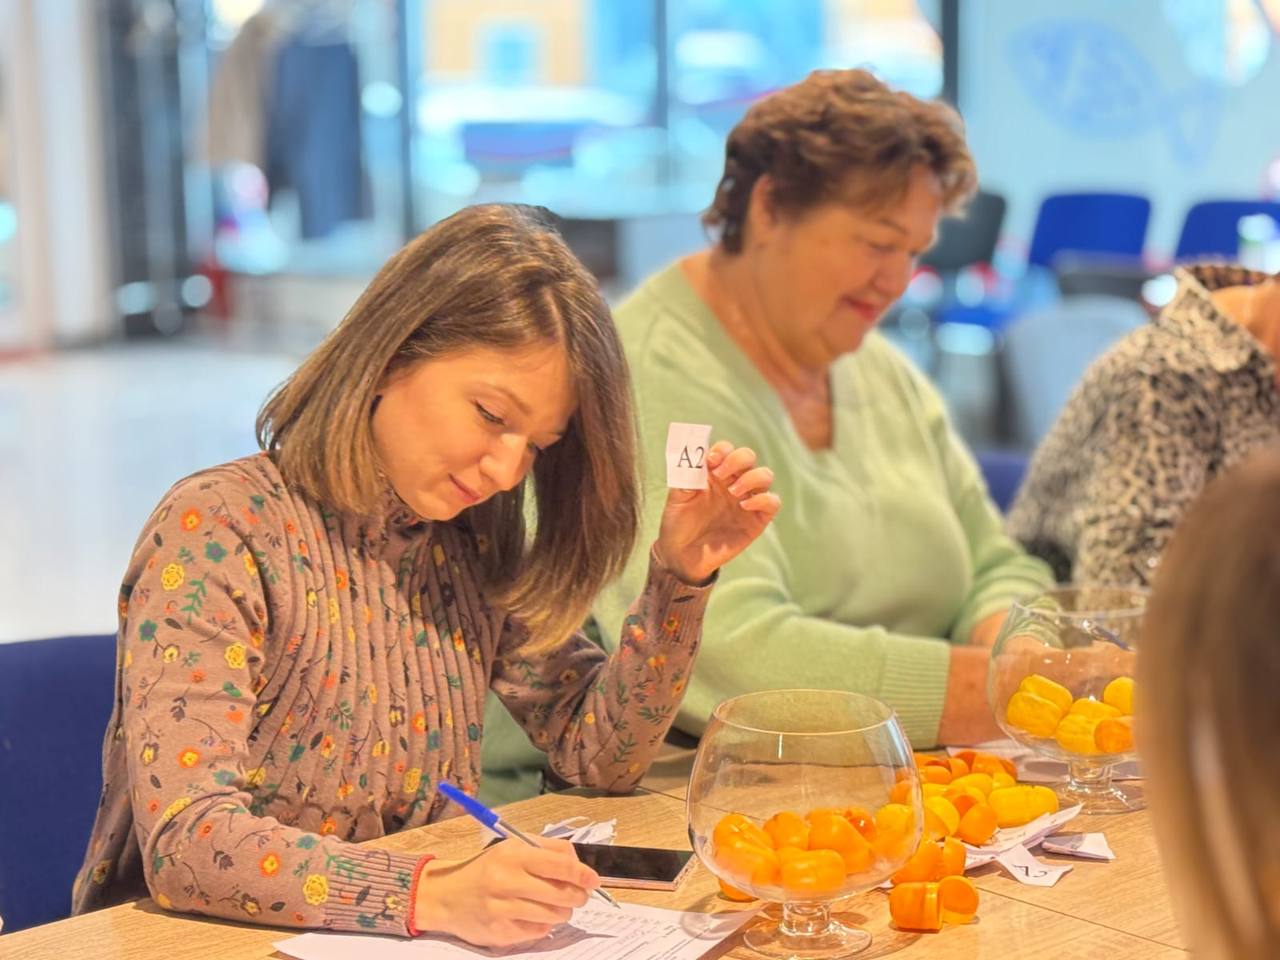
[(582, 830), (687, 446), (593, 933), (1090, 846), (1023, 867), (1028, 835), (1048, 770)]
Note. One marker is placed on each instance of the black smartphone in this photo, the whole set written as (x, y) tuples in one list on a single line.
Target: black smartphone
[(636, 868)]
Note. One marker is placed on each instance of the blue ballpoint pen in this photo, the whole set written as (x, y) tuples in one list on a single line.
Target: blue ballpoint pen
[(495, 823)]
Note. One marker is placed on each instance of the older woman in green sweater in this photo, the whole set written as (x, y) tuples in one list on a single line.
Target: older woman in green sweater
[(889, 573)]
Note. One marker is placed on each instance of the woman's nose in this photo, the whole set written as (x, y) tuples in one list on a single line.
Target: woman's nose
[(506, 462)]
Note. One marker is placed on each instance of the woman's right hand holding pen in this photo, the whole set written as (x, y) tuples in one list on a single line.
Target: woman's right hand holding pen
[(510, 893)]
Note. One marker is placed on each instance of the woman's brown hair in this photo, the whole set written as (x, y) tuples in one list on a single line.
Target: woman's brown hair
[(838, 133), (492, 276), (1208, 714)]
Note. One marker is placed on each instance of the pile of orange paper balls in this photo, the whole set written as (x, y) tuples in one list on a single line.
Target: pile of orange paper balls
[(966, 797)]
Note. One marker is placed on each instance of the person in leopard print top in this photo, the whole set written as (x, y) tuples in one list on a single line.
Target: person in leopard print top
[(1165, 410)]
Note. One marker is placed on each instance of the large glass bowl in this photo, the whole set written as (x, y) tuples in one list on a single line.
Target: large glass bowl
[(1061, 683), (826, 760)]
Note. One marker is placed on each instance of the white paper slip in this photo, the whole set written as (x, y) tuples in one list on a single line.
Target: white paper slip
[(1091, 846), (632, 933), (1048, 770), (1028, 835), (1023, 867), (687, 446)]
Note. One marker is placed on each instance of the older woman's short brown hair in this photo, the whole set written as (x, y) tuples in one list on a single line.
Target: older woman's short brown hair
[(838, 133), (1208, 721), (497, 277)]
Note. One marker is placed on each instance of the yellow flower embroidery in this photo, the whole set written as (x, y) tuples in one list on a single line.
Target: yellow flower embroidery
[(148, 754), (372, 693), (333, 610), (589, 719), (234, 655), (316, 889), (326, 747), (437, 554), (256, 776), (170, 653), (128, 659), (412, 779), (311, 599), (250, 564), (351, 634), (381, 748), (175, 808), (165, 902), (173, 576)]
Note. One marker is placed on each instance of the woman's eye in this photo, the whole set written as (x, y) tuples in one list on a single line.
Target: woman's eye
[(490, 417)]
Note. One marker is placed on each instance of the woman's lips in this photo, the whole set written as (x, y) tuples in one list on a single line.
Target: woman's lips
[(467, 494)]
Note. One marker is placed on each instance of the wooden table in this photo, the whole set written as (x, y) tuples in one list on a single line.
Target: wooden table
[(1128, 895), (1099, 910)]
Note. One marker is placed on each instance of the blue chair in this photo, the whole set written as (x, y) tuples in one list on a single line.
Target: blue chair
[(1108, 226), (1003, 470), (1211, 228), (55, 702)]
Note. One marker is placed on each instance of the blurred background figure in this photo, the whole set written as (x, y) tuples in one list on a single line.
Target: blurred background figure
[(1167, 409), (1208, 666)]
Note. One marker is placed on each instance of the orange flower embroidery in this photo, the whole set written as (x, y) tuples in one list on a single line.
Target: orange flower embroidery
[(340, 579), (191, 519), (206, 828), (197, 676), (328, 827), (188, 758), (672, 624), (420, 722), (269, 865)]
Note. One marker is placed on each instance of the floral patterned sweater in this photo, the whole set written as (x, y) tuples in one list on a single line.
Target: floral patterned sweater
[(290, 681)]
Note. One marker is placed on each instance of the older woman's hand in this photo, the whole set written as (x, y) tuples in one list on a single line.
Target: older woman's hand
[(702, 530)]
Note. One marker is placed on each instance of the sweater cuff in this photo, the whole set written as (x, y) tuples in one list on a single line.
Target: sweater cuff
[(371, 891), (681, 605), (413, 893), (914, 684)]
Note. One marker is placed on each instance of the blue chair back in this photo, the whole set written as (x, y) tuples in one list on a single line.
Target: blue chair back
[(1211, 228), (55, 702), (1108, 225), (1003, 470)]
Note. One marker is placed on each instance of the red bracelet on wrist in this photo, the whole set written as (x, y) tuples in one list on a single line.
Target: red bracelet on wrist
[(413, 893)]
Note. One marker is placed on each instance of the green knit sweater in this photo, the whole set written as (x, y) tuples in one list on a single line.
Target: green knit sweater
[(887, 550)]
